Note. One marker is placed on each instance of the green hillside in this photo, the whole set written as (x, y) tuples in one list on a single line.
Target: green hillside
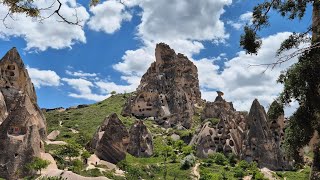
[(168, 154)]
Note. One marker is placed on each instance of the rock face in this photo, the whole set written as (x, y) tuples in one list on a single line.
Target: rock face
[(167, 91), (141, 144), (111, 140), (260, 144), (222, 130), (23, 126), (252, 137)]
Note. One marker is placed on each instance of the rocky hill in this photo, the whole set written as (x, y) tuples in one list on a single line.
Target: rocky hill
[(168, 91)]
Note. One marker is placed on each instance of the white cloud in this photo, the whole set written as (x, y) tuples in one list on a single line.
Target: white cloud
[(244, 19), (183, 25), (108, 16), (50, 33), (80, 74), (84, 89), (42, 78), (135, 62), (241, 83), (108, 87)]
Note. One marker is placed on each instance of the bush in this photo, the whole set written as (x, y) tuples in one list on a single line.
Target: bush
[(187, 150), (38, 164), (238, 172), (188, 161), (219, 159), (244, 165), (232, 158)]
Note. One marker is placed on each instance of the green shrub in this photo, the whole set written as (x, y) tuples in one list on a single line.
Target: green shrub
[(188, 161), (238, 172), (244, 165), (219, 159)]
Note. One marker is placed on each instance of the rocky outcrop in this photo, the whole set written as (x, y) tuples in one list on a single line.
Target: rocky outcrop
[(252, 137), (23, 127), (111, 140), (222, 130), (141, 144), (260, 144), (167, 91)]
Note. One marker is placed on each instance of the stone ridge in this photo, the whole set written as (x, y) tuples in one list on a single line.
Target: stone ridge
[(168, 90), (22, 124)]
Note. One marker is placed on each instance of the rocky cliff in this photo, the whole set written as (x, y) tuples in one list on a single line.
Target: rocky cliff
[(111, 140), (261, 144), (167, 91), (222, 130), (23, 126), (252, 137), (141, 144)]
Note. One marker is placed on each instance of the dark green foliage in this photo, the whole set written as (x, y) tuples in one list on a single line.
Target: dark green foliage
[(218, 158), (250, 41), (188, 161), (187, 150), (290, 9), (275, 110), (38, 164), (232, 159)]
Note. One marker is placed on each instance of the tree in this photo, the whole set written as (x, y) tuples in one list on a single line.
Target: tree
[(113, 93), (32, 9), (166, 151), (69, 150), (38, 164), (302, 80)]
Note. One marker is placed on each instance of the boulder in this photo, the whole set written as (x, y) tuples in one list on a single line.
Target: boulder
[(53, 135), (168, 91), (111, 140), (141, 144), (23, 127)]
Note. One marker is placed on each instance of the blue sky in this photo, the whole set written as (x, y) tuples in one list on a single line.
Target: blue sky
[(72, 65)]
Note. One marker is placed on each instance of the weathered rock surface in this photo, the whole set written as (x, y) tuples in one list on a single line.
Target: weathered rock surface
[(167, 91), (23, 127), (141, 144), (111, 140), (222, 130), (260, 144), (252, 137)]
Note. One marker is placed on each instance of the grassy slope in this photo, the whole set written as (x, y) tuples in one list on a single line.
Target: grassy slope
[(87, 120)]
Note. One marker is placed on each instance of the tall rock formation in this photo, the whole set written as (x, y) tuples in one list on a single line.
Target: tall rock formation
[(222, 130), (111, 140), (23, 126), (167, 91), (141, 144), (260, 144)]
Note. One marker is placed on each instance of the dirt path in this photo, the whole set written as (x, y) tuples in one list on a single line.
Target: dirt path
[(195, 172)]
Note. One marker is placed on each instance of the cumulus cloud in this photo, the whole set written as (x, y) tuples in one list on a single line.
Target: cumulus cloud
[(183, 25), (108, 16), (42, 78), (242, 83), (84, 89), (50, 33), (244, 19)]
